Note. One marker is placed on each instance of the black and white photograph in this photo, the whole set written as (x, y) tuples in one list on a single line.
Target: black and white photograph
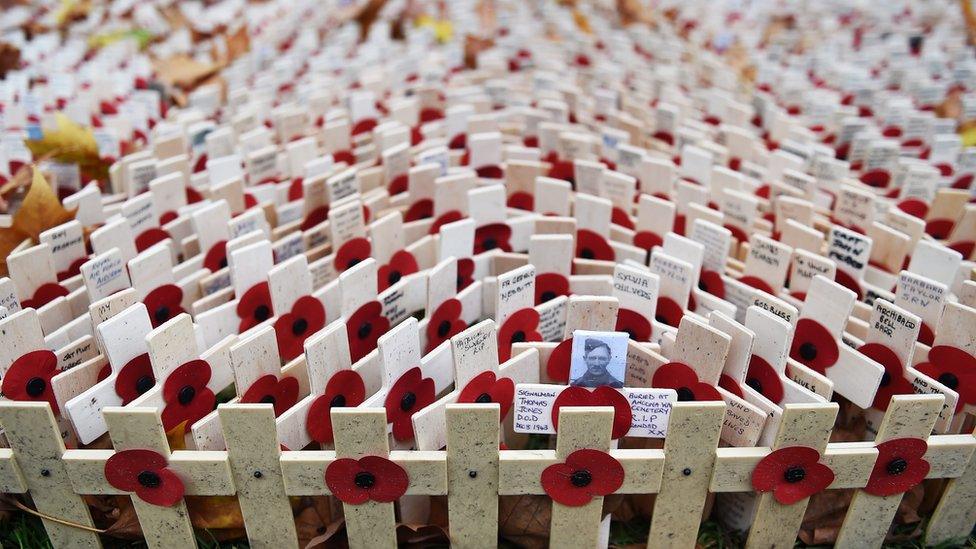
[(599, 358)]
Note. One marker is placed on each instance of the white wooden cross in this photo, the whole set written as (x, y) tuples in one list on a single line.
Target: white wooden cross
[(417, 380), (475, 357), (822, 320), (896, 329), (249, 273), (122, 339)]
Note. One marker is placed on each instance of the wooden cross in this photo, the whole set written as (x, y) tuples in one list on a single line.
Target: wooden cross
[(475, 351), (854, 376), (122, 338)]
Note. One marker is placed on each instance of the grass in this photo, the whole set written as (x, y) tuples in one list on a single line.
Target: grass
[(24, 531)]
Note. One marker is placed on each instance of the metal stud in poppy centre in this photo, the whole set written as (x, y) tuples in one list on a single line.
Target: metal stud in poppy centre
[(478, 272)]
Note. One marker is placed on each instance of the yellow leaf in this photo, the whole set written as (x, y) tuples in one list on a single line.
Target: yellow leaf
[(177, 437), (39, 211), (68, 142)]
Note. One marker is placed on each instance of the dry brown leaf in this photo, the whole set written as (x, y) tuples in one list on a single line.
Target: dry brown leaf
[(183, 71), (9, 58), (39, 211), (71, 143)]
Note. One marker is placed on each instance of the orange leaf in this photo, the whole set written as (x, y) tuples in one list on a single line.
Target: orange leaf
[(39, 211)]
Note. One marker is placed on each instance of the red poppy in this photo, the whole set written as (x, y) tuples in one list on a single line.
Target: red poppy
[(549, 286), (72, 269), (166, 217), (421, 209), (586, 473), (849, 282), (369, 478), (144, 472), (877, 178), (813, 346), (254, 307), (731, 385), (296, 189), (664, 136), (269, 389), (737, 233), (465, 273), (562, 169), (926, 335), (29, 378), (401, 264), (485, 388), (646, 240), (398, 184), (954, 368), (459, 141), (445, 218), (634, 323), (521, 200), (193, 196), (792, 474), (444, 324), (590, 245), (522, 325), (668, 312), (965, 247), (683, 379), (216, 258), (164, 303), (430, 114), (315, 217), (186, 394), (149, 238), (135, 378), (364, 327), (557, 367), (351, 253), (711, 282), (679, 224), (306, 317), (939, 228), (364, 126), (620, 217), (893, 380), (490, 172), (410, 394), (899, 468), (764, 379), (491, 236), (914, 207), (44, 294), (345, 155), (345, 389), (757, 283), (600, 396), (964, 181)]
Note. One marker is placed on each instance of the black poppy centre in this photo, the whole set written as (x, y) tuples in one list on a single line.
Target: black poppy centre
[(364, 479), (794, 474), (407, 401), (149, 479), (36, 386), (808, 351), (262, 313), (897, 466), (581, 478), (444, 328)]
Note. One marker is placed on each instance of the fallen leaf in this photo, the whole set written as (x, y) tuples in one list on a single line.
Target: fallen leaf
[(39, 211), (9, 58), (71, 143)]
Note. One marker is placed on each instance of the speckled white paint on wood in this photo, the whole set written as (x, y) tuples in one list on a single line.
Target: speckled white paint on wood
[(955, 514), (141, 428), (693, 433), (254, 454), (34, 438), (869, 517), (808, 425), (580, 427), (362, 432), (472, 474)]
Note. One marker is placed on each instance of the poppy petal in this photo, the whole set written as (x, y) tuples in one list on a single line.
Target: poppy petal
[(122, 468), (391, 479), (340, 478)]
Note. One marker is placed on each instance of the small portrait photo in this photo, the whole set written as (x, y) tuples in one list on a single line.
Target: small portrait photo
[(599, 358)]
